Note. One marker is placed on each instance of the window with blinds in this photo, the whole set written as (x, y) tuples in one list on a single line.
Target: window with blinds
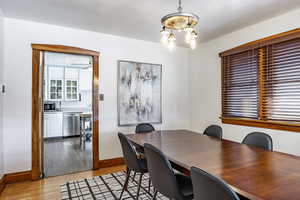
[(282, 82), (240, 84), (261, 83)]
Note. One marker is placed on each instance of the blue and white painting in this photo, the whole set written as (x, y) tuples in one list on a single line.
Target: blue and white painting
[(139, 93)]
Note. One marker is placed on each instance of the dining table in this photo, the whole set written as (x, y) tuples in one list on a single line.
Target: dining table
[(250, 171)]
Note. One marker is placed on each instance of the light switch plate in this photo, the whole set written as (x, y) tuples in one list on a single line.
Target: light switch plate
[(101, 97), (3, 88)]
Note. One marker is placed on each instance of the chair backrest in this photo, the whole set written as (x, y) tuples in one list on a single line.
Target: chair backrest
[(129, 153), (259, 139), (144, 128), (207, 186), (214, 130), (161, 173)]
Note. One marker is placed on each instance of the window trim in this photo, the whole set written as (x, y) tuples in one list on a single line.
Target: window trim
[(277, 125), (260, 122), (273, 39)]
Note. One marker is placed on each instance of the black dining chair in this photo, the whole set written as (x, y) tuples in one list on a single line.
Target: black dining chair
[(133, 162), (144, 128), (164, 180), (259, 139), (214, 130), (209, 187)]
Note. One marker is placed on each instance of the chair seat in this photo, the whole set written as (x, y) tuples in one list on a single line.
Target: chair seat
[(185, 185)]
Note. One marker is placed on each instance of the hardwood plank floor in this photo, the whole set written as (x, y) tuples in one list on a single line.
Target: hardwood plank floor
[(49, 188), (65, 156)]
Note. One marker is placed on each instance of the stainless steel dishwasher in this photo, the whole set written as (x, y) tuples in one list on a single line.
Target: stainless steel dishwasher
[(71, 124)]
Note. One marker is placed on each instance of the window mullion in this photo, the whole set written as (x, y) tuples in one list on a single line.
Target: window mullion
[(262, 65)]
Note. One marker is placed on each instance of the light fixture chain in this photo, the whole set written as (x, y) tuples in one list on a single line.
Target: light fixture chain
[(179, 7)]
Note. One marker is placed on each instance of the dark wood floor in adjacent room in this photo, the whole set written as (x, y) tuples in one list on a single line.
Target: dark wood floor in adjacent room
[(65, 156)]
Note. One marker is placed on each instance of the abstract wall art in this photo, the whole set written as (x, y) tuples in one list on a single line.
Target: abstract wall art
[(139, 93)]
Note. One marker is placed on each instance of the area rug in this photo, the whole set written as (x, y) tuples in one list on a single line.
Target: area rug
[(107, 187)]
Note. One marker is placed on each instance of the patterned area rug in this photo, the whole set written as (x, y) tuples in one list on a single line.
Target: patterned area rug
[(107, 187)]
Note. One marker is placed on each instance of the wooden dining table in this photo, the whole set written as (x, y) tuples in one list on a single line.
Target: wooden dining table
[(250, 171)]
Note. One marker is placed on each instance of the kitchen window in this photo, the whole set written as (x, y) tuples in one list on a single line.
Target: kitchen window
[(261, 83)]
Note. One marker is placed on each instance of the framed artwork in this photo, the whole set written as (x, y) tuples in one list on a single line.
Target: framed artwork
[(139, 93)]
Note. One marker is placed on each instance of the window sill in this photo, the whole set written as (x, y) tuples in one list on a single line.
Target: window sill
[(277, 125)]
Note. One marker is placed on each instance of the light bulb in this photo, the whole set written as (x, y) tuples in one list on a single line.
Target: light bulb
[(164, 36), (171, 45), (171, 41), (188, 35), (164, 39), (194, 34), (193, 43)]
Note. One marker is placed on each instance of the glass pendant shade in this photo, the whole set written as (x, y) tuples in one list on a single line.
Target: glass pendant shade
[(193, 43), (171, 41), (164, 36)]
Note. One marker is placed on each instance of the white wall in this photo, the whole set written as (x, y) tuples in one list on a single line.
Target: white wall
[(1, 95), (205, 81), (18, 37)]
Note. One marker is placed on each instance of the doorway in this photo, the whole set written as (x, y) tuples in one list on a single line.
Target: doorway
[(65, 125)]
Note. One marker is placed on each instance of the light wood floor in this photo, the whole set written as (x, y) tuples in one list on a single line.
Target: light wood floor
[(48, 188)]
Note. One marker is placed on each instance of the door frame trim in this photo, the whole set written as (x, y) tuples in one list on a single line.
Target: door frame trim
[(37, 101)]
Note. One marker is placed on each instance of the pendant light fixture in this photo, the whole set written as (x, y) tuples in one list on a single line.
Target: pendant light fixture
[(179, 22)]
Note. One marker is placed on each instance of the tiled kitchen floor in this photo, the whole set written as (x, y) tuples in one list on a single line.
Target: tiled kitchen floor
[(65, 156)]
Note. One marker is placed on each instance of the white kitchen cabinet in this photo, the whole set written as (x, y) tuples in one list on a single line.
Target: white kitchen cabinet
[(53, 124), (85, 79), (55, 72), (71, 87), (54, 80), (71, 73)]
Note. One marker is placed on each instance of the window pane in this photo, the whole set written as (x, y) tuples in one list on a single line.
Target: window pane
[(283, 81), (240, 85), (53, 83), (53, 96)]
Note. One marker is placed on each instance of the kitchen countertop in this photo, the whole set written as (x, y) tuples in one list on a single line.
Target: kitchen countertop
[(70, 110)]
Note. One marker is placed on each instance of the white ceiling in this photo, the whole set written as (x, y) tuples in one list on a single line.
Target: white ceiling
[(141, 18)]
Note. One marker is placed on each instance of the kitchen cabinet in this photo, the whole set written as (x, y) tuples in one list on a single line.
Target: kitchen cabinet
[(53, 124), (85, 79), (61, 83), (54, 80)]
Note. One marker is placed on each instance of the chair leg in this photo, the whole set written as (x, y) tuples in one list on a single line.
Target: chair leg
[(139, 186), (133, 178), (126, 182), (149, 185), (154, 195)]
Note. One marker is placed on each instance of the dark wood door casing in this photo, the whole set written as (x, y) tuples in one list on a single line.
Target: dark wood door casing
[(37, 101)]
